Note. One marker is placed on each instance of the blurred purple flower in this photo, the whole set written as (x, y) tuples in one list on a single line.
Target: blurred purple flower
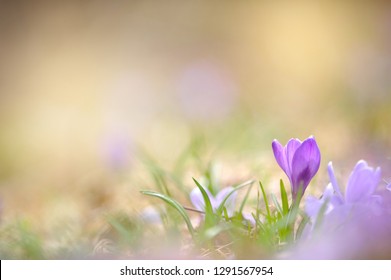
[(354, 225), (313, 204), (299, 160), (360, 191), (199, 203), (249, 218), (117, 151), (206, 91), (362, 183)]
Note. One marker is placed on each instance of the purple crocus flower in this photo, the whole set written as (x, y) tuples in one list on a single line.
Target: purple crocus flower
[(299, 160), (362, 183), (199, 203), (360, 192), (356, 224)]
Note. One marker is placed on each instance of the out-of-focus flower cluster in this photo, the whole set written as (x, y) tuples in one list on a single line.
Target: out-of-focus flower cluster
[(356, 224)]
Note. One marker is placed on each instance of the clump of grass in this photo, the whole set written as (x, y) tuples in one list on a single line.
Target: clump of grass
[(271, 227), (19, 241)]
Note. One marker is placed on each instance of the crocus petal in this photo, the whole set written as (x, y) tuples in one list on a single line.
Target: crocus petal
[(362, 182), (313, 205), (284, 155), (305, 164), (280, 155), (375, 203), (230, 203), (290, 150), (250, 218), (197, 199), (333, 180)]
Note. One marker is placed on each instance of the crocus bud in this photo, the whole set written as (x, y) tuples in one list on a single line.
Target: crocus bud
[(299, 160)]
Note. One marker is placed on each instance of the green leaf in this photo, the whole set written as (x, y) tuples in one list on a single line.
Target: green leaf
[(174, 204), (209, 215), (212, 179), (292, 215), (158, 176), (245, 197), (294, 208), (301, 226), (212, 232), (266, 201), (299, 196), (284, 198), (277, 204)]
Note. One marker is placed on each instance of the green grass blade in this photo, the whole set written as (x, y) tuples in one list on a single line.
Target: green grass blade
[(299, 196), (209, 215), (211, 177), (266, 200), (301, 227), (245, 198), (291, 218), (214, 231), (277, 204), (160, 181), (174, 204), (284, 198)]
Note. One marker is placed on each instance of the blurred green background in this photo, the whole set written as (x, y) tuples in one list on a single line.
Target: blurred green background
[(89, 88)]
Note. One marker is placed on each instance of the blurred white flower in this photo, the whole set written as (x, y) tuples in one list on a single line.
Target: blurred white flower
[(151, 215)]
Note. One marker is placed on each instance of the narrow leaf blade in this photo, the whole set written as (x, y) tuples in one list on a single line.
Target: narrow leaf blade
[(284, 198), (209, 215), (266, 200), (174, 204)]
